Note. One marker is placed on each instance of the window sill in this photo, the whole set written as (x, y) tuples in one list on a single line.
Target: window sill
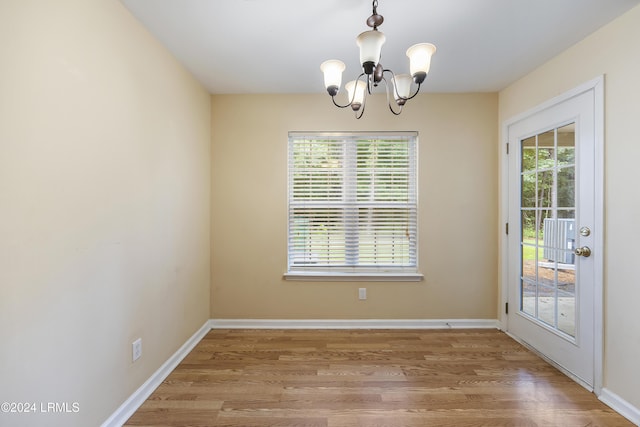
[(313, 276)]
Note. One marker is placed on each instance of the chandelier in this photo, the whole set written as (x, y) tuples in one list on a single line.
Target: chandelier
[(397, 86)]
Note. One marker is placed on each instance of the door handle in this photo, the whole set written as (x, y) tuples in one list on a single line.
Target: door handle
[(583, 251)]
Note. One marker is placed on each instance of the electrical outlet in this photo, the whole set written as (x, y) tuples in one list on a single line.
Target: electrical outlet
[(362, 293), (137, 349)]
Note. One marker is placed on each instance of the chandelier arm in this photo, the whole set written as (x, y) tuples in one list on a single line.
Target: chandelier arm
[(388, 89), (397, 113), (414, 95), (333, 98), (393, 75), (353, 97), (361, 109), (364, 97)]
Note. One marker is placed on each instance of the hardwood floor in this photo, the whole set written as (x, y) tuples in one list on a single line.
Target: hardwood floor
[(341, 378)]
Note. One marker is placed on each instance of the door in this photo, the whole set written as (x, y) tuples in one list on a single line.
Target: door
[(551, 240)]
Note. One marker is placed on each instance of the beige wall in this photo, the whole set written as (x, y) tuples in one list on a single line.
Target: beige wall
[(611, 51), (104, 206), (458, 203)]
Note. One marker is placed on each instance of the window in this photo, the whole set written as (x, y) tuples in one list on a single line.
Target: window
[(353, 205)]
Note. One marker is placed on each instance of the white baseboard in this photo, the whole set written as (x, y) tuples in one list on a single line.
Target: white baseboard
[(354, 324), (122, 414), (620, 405)]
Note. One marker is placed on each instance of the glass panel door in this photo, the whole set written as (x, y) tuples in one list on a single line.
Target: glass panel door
[(554, 243)]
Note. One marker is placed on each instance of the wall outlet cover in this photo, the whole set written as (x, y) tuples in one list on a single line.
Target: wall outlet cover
[(136, 347)]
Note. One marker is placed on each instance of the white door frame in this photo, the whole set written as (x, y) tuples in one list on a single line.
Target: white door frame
[(597, 86)]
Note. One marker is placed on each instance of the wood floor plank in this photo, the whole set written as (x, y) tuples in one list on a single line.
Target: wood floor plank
[(348, 378)]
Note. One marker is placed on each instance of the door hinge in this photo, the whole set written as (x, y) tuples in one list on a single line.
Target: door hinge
[(507, 148), (506, 308), (506, 228)]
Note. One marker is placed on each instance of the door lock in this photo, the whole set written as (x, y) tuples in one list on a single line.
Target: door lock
[(583, 251), (585, 231)]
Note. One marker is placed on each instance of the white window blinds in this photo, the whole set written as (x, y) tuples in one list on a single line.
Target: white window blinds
[(352, 202)]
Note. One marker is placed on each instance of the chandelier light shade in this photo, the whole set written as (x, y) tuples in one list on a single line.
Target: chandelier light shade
[(370, 44), (356, 90), (402, 86), (420, 60), (332, 70), (398, 87)]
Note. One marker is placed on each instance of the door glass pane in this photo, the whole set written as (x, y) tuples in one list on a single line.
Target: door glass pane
[(566, 187), (528, 185), (529, 154), (567, 275), (529, 259), (567, 145), (567, 301), (545, 189), (548, 244), (547, 211), (528, 299), (547, 304), (528, 225), (546, 150), (529, 263)]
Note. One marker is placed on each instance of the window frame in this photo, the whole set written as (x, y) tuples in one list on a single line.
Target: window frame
[(399, 273)]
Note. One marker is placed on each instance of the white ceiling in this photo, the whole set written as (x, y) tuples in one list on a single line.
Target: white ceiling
[(277, 46)]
